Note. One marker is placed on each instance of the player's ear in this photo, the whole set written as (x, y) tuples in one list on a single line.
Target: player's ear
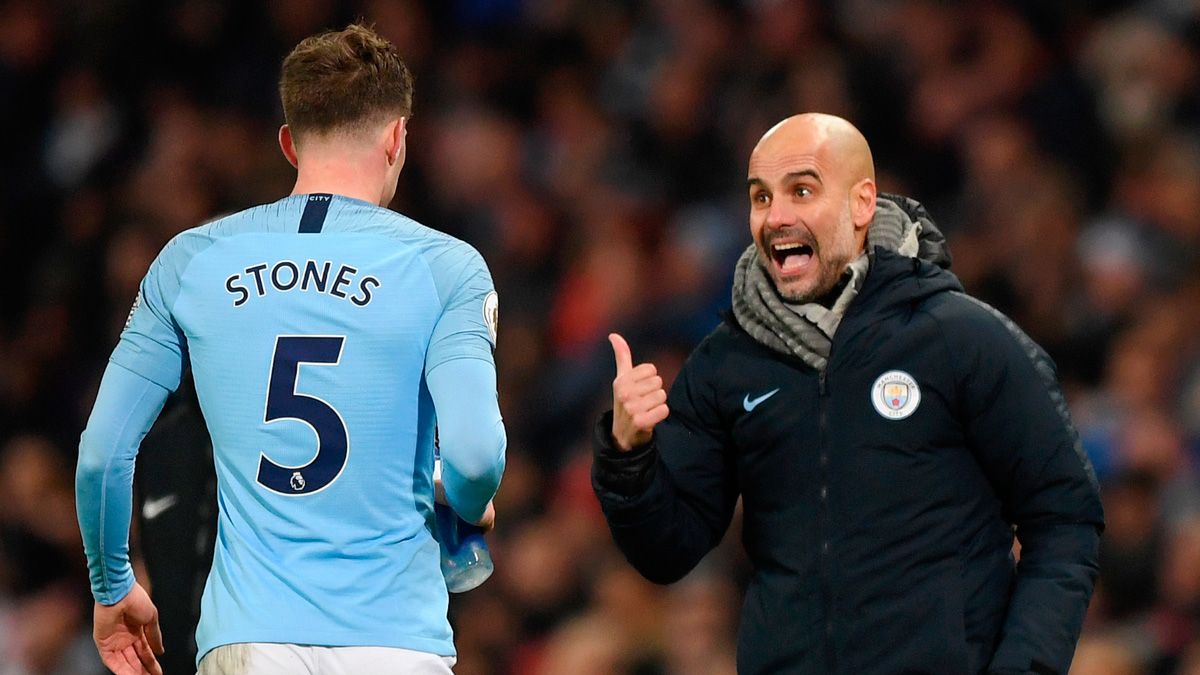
[(396, 144), (288, 144)]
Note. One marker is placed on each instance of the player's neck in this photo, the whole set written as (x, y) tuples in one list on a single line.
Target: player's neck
[(340, 176)]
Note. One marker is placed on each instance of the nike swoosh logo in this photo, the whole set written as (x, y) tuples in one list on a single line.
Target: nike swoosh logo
[(750, 404), (154, 508)]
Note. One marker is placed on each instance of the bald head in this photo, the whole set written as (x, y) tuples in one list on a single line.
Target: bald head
[(822, 134)]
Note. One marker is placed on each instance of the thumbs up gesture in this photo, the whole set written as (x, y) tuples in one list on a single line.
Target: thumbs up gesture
[(639, 400)]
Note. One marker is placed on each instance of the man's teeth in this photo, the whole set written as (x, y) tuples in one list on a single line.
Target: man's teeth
[(792, 256)]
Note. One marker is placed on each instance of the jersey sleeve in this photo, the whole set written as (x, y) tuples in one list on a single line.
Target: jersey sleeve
[(125, 408), (466, 328), (152, 343), (464, 391), (471, 434)]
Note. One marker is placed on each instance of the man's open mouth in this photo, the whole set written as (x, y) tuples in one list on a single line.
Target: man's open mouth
[(791, 256)]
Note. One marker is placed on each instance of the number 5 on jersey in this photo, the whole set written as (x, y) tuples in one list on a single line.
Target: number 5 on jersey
[(284, 403)]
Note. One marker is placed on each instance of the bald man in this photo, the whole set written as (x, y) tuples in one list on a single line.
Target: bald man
[(888, 436)]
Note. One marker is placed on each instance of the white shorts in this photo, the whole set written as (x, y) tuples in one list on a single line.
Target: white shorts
[(262, 658)]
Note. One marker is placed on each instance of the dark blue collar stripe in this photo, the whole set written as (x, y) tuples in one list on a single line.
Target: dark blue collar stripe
[(314, 213)]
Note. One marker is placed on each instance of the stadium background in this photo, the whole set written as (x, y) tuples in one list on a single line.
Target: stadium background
[(594, 152)]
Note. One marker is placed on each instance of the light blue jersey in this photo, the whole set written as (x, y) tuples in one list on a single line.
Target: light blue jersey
[(313, 327)]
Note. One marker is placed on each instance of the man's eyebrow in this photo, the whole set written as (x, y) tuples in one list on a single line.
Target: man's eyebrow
[(790, 176), (804, 172)]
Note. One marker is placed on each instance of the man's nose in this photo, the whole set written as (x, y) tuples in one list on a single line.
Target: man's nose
[(781, 214)]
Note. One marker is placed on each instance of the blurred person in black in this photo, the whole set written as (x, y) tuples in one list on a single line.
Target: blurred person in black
[(887, 434), (177, 519)]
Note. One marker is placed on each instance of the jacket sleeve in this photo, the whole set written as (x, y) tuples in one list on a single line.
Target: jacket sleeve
[(669, 503), (1017, 424)]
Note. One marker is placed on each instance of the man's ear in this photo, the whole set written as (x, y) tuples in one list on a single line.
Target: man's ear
[(288, 145), (862, 203), (396, 144)]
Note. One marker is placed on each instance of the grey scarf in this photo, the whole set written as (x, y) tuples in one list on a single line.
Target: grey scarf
[(805, 330)]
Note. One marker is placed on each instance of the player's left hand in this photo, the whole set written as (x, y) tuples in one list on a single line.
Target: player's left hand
[(127, 634)]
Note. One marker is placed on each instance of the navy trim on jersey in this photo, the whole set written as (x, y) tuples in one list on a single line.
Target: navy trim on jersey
[(315, 210)]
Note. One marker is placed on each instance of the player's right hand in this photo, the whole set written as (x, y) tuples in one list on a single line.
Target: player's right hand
[(639, 400), (127, 634), (486, 523)]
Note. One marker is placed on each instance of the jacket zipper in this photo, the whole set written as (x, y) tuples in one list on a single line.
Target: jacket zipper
[(823, 493)]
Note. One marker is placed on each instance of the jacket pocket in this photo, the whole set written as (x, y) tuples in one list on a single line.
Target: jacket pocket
[(943, 642)]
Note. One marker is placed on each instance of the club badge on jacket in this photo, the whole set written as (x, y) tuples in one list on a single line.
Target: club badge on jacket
[(895, 395)]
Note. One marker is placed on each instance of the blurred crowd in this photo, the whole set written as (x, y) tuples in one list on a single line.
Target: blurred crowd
[(594, 151)]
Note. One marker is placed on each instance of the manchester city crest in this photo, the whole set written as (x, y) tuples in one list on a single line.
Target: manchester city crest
[(895, 395)]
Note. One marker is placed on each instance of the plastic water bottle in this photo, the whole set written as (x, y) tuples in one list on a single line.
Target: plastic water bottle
[(466, 560)]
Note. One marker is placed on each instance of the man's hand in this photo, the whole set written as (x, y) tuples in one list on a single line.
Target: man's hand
[(486, 523), (127, 634), (489, 518), (639, 400)]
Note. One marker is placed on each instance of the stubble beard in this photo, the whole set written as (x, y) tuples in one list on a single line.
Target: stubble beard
[(831, 270), (832, 261)]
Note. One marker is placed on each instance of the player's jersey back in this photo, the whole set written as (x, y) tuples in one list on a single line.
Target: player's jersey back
[(309, 325)]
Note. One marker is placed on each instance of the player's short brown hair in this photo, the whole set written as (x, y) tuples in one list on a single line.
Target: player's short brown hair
[(343, 80)]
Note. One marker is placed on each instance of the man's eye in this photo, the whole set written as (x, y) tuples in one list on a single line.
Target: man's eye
[(760, 198), (803, 191)]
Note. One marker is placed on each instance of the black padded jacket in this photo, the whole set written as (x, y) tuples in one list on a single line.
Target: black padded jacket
[(881, 496)]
